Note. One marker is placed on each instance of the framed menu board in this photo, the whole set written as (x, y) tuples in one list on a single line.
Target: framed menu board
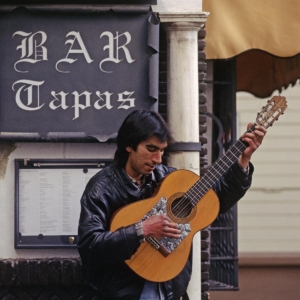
[(47, 200)]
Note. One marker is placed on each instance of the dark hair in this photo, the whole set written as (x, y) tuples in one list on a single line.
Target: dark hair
[(139, 126)]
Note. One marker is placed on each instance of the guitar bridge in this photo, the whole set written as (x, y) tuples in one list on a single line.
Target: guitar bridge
[(158, 246)]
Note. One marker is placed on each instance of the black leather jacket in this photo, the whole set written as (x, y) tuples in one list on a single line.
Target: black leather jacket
[(103, 252)]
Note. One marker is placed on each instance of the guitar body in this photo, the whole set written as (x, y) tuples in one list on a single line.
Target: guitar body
[(148, 262), (179, 196)]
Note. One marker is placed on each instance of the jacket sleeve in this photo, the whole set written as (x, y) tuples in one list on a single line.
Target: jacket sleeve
[(233, 186), (96, 244)]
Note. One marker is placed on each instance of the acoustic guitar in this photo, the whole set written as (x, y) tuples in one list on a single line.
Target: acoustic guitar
[(190, 202)]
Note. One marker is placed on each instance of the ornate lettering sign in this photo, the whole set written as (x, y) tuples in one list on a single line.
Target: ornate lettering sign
[(75, 74)]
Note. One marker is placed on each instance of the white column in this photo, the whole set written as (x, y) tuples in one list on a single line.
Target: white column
[(183, 106), (183, 95)]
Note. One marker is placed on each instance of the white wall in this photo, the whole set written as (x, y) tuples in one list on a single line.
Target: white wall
[(269, 214)]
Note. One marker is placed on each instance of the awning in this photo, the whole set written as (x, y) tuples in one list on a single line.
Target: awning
[(264, 36)]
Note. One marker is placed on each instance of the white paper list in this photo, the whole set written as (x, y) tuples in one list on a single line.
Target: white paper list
[(49, 200)]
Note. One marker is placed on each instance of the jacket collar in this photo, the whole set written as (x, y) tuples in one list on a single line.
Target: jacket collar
[(131, 187)]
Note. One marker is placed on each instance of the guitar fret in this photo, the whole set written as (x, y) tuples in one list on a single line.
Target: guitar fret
[(208, 180), (201, 187), (219, 168)]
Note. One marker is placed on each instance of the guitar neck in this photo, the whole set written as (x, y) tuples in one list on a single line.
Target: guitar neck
[(217, 170)]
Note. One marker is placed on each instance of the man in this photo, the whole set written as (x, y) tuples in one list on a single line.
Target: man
[(134, 175)]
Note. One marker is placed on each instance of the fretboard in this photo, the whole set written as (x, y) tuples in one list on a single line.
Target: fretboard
[(216, 171)]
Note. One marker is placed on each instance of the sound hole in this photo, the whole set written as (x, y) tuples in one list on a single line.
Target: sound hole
[(181, 208)]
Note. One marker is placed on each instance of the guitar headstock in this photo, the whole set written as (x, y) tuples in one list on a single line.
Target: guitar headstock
[(272, 111)]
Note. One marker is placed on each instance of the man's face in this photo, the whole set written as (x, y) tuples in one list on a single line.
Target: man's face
[(147, 155)]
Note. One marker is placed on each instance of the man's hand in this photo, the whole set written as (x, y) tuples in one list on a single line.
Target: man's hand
[(254, 140), (160, 226)]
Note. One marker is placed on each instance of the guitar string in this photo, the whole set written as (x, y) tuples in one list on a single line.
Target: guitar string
[(200, 188), (154, 242), (184, 205), (205, 183), (217, 170)]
